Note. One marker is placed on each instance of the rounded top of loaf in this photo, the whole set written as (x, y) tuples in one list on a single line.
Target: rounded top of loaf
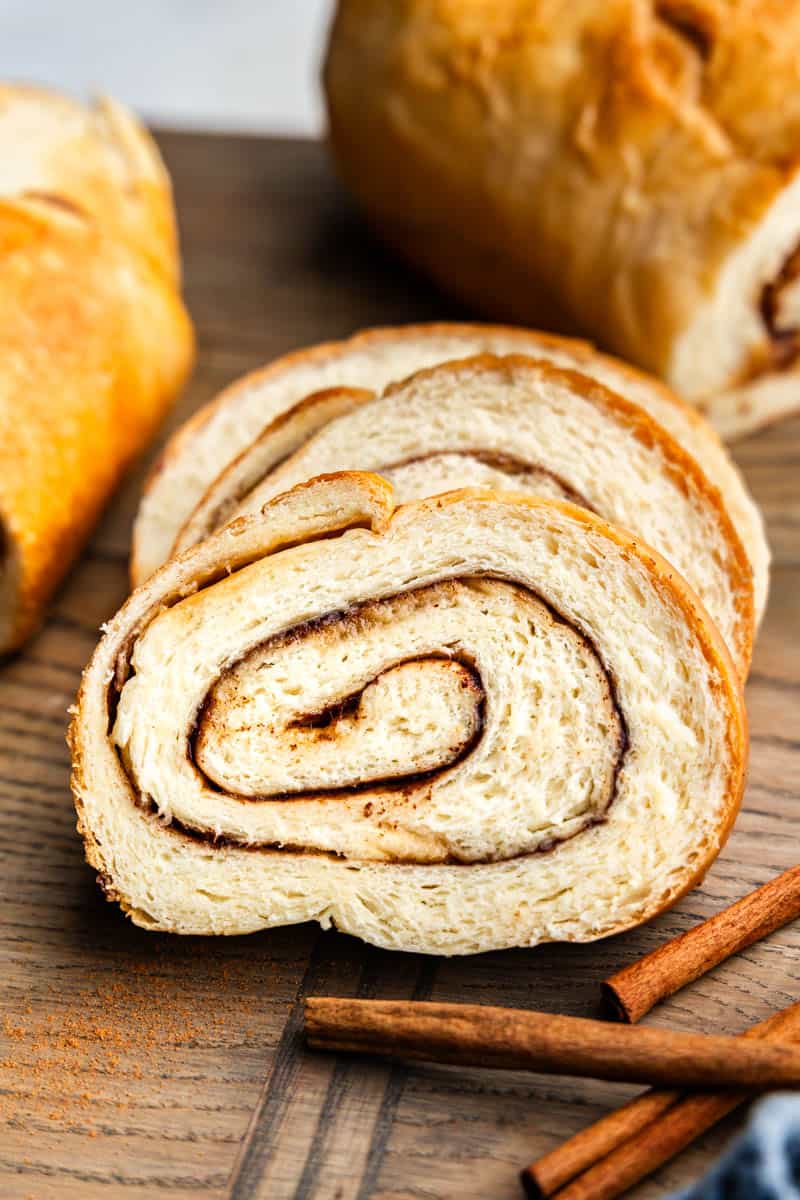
[(96, 158)]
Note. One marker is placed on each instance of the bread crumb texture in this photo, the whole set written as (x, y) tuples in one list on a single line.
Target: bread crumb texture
[(476, 721)]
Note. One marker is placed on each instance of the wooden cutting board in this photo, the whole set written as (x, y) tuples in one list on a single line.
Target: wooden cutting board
[(134, 1064)]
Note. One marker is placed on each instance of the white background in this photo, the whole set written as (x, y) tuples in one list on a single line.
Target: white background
[(217, 64)]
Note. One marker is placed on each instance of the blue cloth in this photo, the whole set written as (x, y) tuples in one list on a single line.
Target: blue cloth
[(762, 1164)]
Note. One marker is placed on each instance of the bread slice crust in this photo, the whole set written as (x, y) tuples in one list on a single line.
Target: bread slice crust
[(218, 436), (410, 414), (168, 879)]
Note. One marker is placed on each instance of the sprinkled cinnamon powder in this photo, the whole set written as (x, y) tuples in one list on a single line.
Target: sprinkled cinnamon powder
[(59, 1065)]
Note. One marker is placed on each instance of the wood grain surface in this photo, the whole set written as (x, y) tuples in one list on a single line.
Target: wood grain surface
[(136, 1064)]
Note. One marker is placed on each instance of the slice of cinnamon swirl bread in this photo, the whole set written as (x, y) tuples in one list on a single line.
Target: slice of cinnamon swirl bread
[(478, 721), (517, 424), (216, 439)]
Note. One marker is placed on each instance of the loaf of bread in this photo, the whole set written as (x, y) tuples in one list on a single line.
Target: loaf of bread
[(98, 159), (514, 424), (481, 720), (624, 167), (228, 447), (94, 339)]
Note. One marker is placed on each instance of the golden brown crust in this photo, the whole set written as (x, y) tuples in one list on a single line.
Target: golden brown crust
[(94, 344), (97, 158), (592, 166)]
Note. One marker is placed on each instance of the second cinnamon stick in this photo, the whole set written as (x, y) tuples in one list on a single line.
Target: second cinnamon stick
[(483, 1036), (678, 1119), (633, 991)]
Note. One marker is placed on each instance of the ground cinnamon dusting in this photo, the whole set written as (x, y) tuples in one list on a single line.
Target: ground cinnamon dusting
[(61, 1063)]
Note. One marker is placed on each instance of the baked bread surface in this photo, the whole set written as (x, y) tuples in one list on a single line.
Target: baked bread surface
[(97, 158), (624, 167), (94, 339), (230, 445), (515, 424), (474, 722)]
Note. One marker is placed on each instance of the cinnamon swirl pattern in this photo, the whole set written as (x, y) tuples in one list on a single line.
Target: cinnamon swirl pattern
[(216, 441), (472, 722), (515, 424)]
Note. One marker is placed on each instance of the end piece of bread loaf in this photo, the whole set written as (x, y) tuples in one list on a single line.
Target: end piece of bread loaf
[(97, 158), (94, 339), (478, 721), (624, 167), (216, 446)]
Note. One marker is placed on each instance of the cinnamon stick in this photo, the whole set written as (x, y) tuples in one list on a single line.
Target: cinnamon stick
[(483, 1036), (571, 1158), (657, 1144), (633, 991), (625, 1146)]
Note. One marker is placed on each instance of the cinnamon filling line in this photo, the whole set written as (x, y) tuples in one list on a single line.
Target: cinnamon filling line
[(499, 460), (510, 464), (412, 784), (780, 311)]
